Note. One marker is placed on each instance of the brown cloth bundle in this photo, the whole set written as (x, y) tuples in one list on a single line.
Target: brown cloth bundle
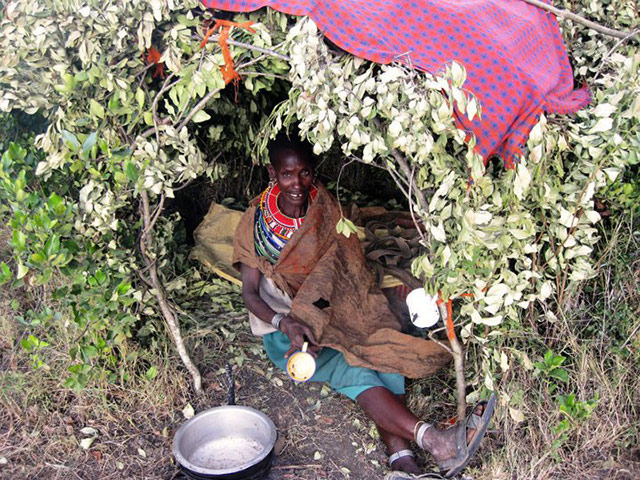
[(335, 294)]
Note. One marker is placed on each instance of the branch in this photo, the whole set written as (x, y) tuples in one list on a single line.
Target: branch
[(265, 74), (458, 357), (199, 106), (248, 46), (404, 166), (146, 242), (581, 20), (413, 215), (613, 49)]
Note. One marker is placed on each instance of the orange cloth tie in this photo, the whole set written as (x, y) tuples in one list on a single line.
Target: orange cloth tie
[(153, 57), (228, 72)]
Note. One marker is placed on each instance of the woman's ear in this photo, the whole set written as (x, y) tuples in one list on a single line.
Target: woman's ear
[(272, 172)]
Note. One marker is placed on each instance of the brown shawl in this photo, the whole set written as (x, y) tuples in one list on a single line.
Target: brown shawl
[(334, 293)]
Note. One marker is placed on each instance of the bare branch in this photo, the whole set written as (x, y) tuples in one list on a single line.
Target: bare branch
[(581, 20), (248, 46), (442, 344), (146, 242), (413, 215), (613, 49), (265, 74), (458, 359), (404, 167)]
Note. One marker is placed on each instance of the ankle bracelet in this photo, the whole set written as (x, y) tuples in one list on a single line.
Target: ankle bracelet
[(399, 454), (418, 432)]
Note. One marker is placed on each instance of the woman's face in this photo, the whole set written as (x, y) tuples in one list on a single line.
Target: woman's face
[(294, 174)]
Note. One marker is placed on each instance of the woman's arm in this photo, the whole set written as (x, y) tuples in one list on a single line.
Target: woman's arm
[(297, 332)]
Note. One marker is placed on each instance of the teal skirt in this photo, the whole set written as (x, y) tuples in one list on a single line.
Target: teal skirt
[(331, 367)]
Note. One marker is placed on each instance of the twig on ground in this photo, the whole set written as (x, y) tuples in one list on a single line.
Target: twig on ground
[(291, 467), (633, 333), (581, 20)]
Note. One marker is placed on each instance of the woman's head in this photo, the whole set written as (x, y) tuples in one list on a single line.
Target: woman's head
[(292, 168)]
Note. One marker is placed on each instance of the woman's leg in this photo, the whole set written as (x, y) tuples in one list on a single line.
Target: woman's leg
[(395, 443), (392, 415)]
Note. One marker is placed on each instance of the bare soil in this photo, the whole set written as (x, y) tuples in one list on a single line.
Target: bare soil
[(42, 425), (322, 434)]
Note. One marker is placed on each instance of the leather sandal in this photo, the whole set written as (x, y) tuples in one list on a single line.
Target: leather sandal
[(480, 423)]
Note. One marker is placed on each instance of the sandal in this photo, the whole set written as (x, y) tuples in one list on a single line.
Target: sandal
[(480, 423)]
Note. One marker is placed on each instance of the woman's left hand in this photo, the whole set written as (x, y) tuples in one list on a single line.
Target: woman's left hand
[(298, 333)]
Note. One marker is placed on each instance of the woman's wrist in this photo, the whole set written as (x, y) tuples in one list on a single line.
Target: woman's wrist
[(276, 319)]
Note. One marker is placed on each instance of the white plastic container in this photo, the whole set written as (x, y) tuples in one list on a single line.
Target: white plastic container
[(423, 308)]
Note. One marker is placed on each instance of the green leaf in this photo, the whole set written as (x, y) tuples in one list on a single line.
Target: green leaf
[(151, 373), (131, 171), (5, 273), (37, 258), (54, 201), (140, 97), (70, 140), (100, 276), (560, 374), (201, 116), (52, 246), (89, 142), (27, 344), (19, 240), (96, 109), (123, 288), (148, 118)]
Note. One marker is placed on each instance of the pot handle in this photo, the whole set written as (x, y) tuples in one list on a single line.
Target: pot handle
[(232, 385)]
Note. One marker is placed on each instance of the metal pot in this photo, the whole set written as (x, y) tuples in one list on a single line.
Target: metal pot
[(226, 443)]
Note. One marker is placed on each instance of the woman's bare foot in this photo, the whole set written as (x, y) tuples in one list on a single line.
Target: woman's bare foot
[(406, 464)]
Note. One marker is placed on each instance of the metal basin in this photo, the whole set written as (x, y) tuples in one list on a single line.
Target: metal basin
[(227, 443)]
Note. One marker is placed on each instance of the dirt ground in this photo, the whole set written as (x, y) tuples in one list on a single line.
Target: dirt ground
[(43, 426), (114, 432)]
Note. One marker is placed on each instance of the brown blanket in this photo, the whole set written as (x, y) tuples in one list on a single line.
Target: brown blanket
[(334, 293)]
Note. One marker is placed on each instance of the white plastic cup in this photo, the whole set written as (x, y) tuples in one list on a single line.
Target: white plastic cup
[(423, 308)]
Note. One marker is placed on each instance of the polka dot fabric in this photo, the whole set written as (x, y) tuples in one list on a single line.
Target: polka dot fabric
[(516, 60)]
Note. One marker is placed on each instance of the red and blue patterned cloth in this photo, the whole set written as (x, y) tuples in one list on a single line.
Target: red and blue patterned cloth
[(514, 54)]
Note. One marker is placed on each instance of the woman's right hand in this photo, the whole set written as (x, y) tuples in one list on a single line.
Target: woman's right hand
[(298, 333)]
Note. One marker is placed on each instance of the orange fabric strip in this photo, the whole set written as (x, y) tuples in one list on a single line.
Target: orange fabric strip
[(228, 71), (153, 57)]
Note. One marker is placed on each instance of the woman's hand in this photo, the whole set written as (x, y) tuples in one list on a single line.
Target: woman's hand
[(298, 333)]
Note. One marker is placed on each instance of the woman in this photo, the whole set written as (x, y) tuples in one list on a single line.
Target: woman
[(301, 281)]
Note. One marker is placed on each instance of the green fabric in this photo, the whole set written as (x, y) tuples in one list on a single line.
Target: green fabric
[(331, 367)]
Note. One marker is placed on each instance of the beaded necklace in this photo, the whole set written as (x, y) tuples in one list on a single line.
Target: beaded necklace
[(272, 228)]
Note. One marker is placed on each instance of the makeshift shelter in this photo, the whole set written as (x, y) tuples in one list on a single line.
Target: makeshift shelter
[(513, 52)]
